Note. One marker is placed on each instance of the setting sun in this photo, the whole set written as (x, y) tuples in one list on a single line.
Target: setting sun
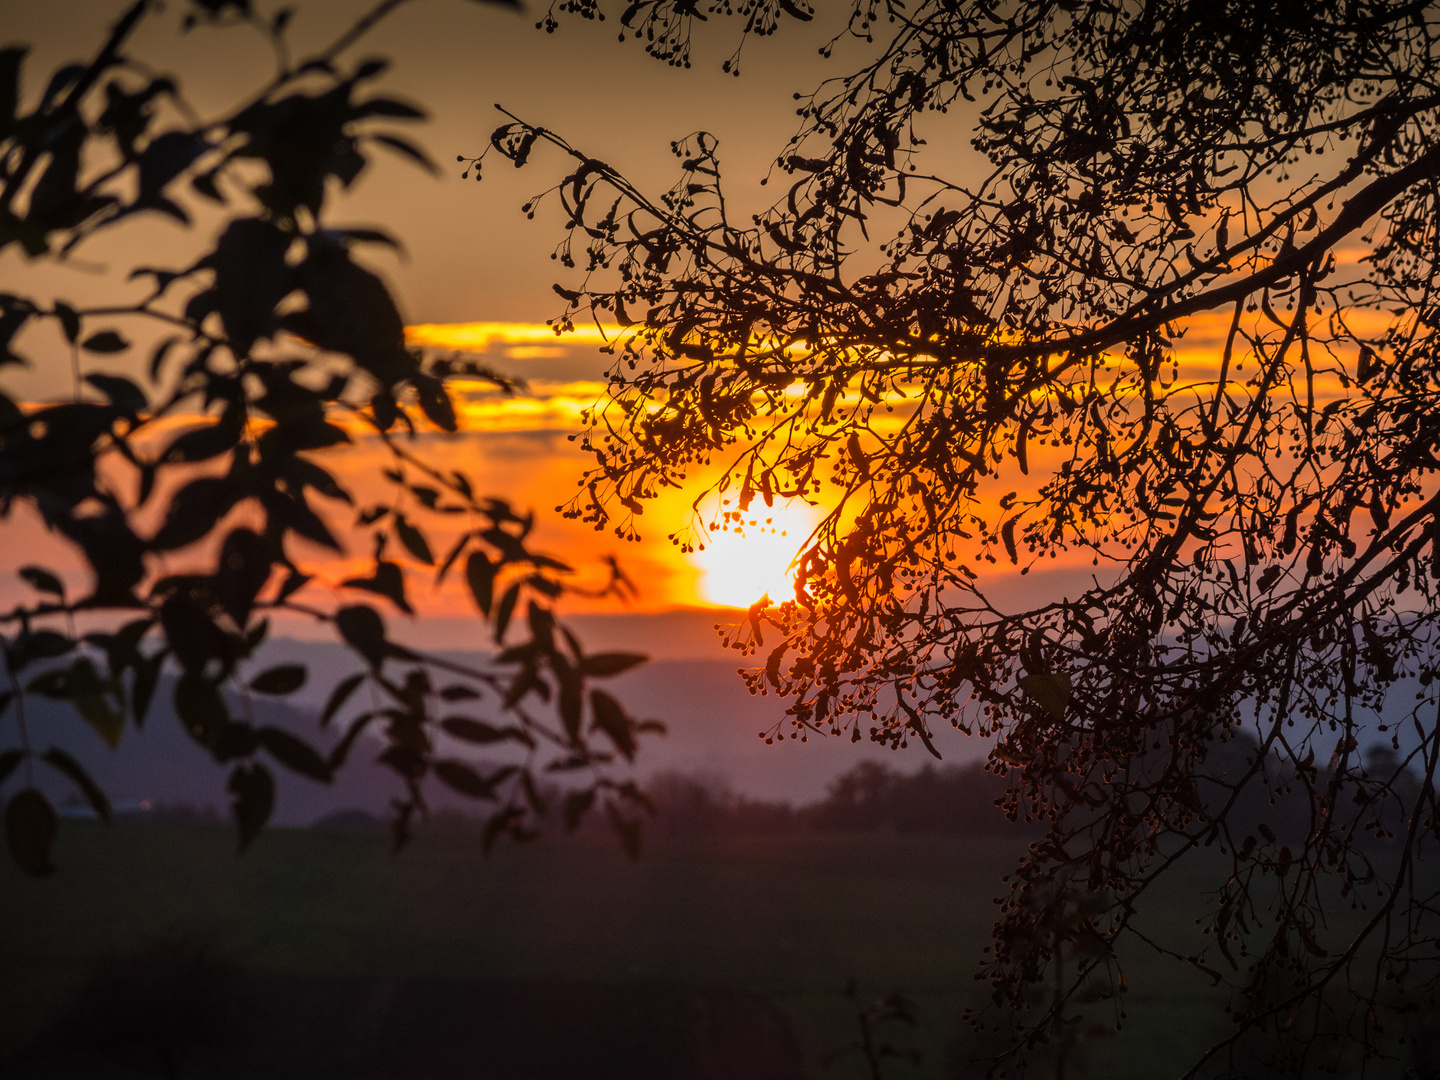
[(739, 568)]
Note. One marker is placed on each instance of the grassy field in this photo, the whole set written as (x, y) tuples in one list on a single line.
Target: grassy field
[(786, 919)]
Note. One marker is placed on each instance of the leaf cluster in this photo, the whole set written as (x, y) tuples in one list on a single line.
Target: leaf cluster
[(199, 498), (977, 366)]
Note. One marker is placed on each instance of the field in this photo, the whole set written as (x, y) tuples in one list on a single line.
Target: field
[(563, 947)]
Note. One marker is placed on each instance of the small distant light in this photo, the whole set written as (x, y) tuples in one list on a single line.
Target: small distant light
[(144, 804)]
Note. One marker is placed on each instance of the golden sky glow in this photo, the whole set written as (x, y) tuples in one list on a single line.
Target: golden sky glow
[(734, 570), (519, 448), (509, 336), (473, 253)]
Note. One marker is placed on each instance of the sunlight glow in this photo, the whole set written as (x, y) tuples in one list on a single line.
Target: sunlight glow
[(737, 569), (483, 336)]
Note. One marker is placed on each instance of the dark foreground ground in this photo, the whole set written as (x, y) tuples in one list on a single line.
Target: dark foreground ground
[(157, 951)]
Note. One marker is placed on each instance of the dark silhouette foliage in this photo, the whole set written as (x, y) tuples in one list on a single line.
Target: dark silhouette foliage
[(960, 801), (954, 800), (977, 363), (691, 805), (195, 495)]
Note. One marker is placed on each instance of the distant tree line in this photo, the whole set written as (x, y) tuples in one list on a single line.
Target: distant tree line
[(958, 800), (966, 800)]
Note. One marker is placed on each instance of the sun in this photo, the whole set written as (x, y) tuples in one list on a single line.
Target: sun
[(738, 568)]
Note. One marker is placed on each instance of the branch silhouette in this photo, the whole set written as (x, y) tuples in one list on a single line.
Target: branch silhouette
[(976, 371), (281, 344)]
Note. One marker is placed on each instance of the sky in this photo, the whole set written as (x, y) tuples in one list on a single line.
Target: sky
[(475, 274), (472, 256)]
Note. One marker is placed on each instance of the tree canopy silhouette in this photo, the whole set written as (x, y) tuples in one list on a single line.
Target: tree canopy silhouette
[(961, 331), (196, 498)]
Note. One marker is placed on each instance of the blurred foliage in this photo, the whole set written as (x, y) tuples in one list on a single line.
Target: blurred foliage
[(274, 344)]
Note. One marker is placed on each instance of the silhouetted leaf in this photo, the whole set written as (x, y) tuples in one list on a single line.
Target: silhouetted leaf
[(123, 393), (147, 675), (106, 341), (1367, 365), (295, 754), (200, 708), (507, 609), (382, 106), (95, 705), (406, 762), (39, 645), (158, 355), (479, 732), (1007, 534), (338, 696), (66, 764), (414, 540), (435, 402), (251, 277), (81, 685), (9, 761), (43, 580), (204, 184), (279, 680), (12, 57), (459, 777), (449, 560), (601, 665), (341, 750), (1051, 690), (480, 575), (611, 719), (54, 683), (571, 698), (306, 473), (388, 581), (244, 568), (542, 626), (364, 631), (194, 510), (168, 155), (385, 410), (352, 312), (253, 800), (30, 827), (525, 680), (193, 637), (235, 739), (211, 440), (408, 149), (533, 797), (69, 321)]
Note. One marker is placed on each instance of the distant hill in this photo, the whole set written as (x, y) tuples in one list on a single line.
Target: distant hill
[(161, 766), (713, 722), (714, 726)]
